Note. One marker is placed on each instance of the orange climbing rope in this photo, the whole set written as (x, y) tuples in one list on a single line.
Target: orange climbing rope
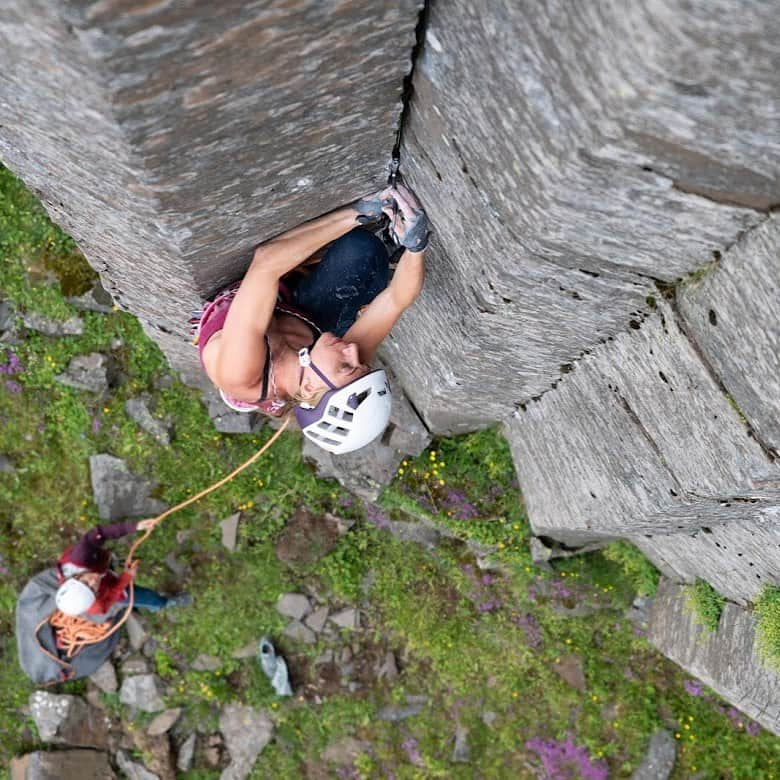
[(75, 632)]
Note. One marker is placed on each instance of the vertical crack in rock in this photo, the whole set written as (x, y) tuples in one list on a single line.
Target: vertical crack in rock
[(770, 454), (408, 84)]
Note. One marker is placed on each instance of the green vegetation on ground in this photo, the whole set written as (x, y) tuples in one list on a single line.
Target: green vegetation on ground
[(514, 653)]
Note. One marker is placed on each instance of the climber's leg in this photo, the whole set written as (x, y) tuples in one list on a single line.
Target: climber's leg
[(352, 273)]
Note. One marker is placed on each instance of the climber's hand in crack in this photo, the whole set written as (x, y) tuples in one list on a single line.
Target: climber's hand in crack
[(408, 221), (370, 208)]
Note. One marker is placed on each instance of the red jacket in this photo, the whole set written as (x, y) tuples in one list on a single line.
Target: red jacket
[(90, 554)]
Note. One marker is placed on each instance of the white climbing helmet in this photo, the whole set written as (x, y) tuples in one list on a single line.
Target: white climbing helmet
[(347, 418), (74, 597)]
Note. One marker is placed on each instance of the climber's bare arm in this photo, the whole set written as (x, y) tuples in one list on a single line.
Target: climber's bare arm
[(379, 317), (238, 364)]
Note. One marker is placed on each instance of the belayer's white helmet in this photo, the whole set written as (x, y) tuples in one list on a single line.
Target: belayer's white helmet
[(73, 597), (347, 418)]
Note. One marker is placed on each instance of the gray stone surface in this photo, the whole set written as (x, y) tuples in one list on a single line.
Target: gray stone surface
[(133, 770), (246, 732), (96, 299), (562, 190), (294, 605), (105, 678), (62, 765), (206, 663), (138, 410), (300, 633), (68, 720), (731, 315), (163, 722), (119, 493), (142, 692), (460, 751), (316, 621), (665, 450), (346, 618), (175, 96), (73, 326), (398, 712), (136, 631), (229, 528), (87, 372), (658, 763), (225, 419), (727, 660), (186, 754)]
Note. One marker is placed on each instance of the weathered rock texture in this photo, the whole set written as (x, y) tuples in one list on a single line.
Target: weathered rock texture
[(726, 660), (169, 139), (577, 162)]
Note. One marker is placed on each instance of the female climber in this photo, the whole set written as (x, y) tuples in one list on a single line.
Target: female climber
[(279, 339)]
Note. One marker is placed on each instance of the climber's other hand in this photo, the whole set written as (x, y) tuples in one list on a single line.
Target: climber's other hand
[(370, 208)]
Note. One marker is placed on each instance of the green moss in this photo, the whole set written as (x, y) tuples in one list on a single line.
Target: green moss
[(637, 569), (767, 609), (705, 603)]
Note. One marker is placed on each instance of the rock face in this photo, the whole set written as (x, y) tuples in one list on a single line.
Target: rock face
[(726, 660), (118, 492), (258, 100), (604, 271)]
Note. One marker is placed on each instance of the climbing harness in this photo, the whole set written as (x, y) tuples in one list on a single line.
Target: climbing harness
[(73, 633)]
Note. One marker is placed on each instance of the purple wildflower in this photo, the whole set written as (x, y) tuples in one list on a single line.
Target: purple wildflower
[(561, 591), (489, 606), (752, 728), (455, 501), (488, 579), (694, 687), (347, 502), (347, 773), (377, 517), (530, 626), (96, 424), (13, 387), (567, 761), (3, 568), (412, 749), (12, 365)]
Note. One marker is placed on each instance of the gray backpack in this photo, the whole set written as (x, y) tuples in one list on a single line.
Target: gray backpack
[(35, 603)]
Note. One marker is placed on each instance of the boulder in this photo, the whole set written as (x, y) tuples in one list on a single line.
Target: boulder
[(62, 765), (68, 720), (142, 692), (229, 527), (95, 299), (206, 663), (300, 633), (186, 754), (347, 618), (105, 678), (316, 620), (133, 770), (118, 492), (163, 722), (138, 410), (88, 372), (73, 326), (294, 605), (658, 762), (246, 732)]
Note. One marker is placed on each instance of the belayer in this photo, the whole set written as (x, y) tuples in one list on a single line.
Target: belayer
[(279, 340), (66, 615)]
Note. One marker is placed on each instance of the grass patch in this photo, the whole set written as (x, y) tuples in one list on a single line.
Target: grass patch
[(705, 603), (767, 609), (638, 570)]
